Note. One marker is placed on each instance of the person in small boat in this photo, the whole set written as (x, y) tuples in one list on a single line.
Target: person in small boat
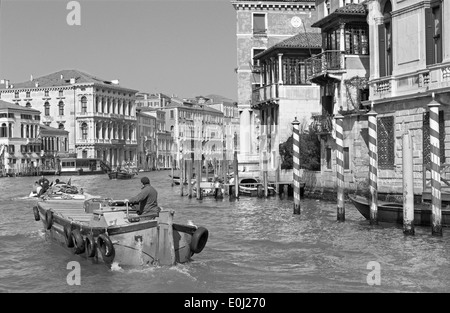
[(36, 188), (45, 184), (58, 182), (147, 199)]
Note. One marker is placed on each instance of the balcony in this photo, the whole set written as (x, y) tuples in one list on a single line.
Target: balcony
[(322, 124), (264, 94), (325, 62), (434, 78)]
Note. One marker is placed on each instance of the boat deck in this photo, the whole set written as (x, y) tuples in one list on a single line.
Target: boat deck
[(68, 209)]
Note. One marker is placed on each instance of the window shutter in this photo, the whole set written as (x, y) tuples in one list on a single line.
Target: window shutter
[(429, 33), (438, 19), (382, 50)]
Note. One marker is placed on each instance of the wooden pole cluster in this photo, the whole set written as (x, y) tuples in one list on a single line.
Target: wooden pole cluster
[(373, 167), (296, 159), (436, 213), (340, 167)]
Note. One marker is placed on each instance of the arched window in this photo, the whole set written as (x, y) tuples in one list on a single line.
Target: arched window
[(124, 107), (61, 108), (27, 131), (47, 108), (129, 109), (21, 131), (83, 104), (385, 41), (61, 126), (28, 105), (84, 131), (108, 105)]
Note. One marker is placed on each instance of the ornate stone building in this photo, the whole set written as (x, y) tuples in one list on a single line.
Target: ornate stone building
[(20, 145), (100, 115)]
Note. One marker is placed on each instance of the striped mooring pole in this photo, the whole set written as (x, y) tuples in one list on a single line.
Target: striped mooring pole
[(296, 159), (340, 167), (436, 214), (373, 167)]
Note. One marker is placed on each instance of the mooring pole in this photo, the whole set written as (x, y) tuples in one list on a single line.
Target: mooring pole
[(198, 169), (340, 167), (373, 167), (224, 159), (173, 170), (189, 176), (436, 213), (408, 185), (236, 168), (181, 172), (296, 159), (265, 175)]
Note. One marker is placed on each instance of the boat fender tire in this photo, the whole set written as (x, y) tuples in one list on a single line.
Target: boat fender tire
[(48, 219), (78, 242), (106, 248), (90, 246), (68, 236), (36, 213), (199, 239)]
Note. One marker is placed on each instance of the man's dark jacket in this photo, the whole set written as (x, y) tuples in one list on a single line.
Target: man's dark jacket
[(147, 199)]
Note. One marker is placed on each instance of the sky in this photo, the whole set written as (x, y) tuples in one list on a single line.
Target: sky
[(185, 48)]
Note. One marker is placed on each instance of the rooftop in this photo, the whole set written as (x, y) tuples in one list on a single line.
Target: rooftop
[(12, 106), (301, 40), (351, 9), (63, 78)]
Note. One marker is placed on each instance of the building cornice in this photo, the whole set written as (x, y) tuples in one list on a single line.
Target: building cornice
[(273, 5), (411, 8)]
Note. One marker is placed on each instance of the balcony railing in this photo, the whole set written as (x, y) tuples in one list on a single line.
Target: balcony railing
[(322, 124), (264, 93), (330, 60)]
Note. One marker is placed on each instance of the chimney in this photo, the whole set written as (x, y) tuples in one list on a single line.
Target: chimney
[(31, 77), (72, 80), (115, 81), (62, 76), (7, 83), (36, 84)]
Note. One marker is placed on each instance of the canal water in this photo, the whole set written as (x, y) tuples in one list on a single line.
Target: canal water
[(255, 245)]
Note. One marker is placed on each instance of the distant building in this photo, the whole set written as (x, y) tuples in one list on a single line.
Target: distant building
[(20, 144), (164, 155), (157, 100), (147, 141), (54, 146), (99, 115), (260, 25), (196, 130)]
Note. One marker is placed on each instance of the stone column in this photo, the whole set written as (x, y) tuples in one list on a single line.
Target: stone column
[(245, 132), (280, 68)]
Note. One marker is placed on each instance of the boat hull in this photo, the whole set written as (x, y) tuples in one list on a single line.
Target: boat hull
[(142, 242), (120, 175), (390, 212)]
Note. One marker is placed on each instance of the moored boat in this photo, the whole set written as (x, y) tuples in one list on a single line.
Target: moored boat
[(392, 212), (121, 175), (249, 187), (108, 231)]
